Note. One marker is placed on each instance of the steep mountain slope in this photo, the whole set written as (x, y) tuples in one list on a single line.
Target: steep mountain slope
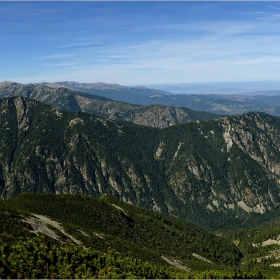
[(218, 174), (198, 99), (227, 164), (154, 115)]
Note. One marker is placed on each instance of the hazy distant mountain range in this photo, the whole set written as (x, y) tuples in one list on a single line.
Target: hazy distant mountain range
[(72, 100), (242, 88), (136, 99), (223, 101)]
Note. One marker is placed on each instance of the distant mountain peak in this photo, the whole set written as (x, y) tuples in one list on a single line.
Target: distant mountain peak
[(7, 84)]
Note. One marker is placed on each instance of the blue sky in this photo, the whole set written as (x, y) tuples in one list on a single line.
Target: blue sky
[(135, 43)]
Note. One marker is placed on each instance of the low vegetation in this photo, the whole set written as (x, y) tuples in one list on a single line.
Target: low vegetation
[(118, 240)]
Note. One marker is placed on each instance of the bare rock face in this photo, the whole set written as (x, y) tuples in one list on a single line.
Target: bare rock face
[(22, 107)]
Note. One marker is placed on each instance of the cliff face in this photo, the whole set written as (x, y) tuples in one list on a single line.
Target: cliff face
[(217, 173), (227, 164)]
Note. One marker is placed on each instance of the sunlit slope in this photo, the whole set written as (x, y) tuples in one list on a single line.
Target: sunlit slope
[(107, 222)]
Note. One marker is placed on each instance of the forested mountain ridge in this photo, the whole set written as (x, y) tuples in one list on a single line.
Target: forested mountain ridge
[(233, 162), (72, 100), (217, 174)]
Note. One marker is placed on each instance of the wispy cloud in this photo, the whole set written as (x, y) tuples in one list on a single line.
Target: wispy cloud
[(147, 46), (273, 7), (59, 64)]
